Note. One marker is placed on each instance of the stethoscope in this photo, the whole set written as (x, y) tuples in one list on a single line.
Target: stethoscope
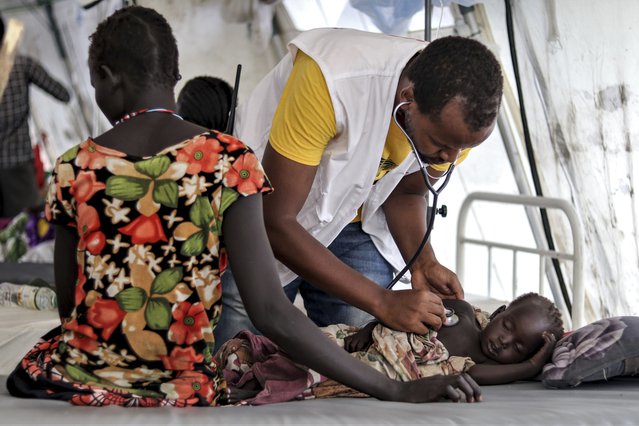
[(451, 317)]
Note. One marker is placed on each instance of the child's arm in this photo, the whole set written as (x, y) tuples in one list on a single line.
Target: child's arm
[(253, 265), (497, 374), (361, 340)]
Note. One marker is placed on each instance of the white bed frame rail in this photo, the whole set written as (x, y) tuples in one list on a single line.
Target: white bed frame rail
[(576, 256)]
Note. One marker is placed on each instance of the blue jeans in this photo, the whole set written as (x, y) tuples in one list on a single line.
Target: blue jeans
[(353, 247)]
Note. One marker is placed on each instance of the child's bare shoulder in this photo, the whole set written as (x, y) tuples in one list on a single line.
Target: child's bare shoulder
[(460, 306)]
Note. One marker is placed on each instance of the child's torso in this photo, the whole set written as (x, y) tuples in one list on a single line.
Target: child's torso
[(462, 339)]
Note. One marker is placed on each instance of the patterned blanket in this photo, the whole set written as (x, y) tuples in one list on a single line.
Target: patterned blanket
[(252, 360)]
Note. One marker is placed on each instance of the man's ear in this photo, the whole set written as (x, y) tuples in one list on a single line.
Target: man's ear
[(498, 311), (406, 94)]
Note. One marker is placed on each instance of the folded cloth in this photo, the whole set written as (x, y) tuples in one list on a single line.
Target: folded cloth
[(249, 358)]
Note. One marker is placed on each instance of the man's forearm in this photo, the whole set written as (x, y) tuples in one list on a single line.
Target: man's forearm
[(307, 257)]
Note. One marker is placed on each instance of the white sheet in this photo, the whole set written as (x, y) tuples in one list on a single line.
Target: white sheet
[(20, 329), (522, 403), (525, 403)]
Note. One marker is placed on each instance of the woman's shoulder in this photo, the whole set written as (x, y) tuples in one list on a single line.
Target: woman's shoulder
[(231, 143), (71, 153), (87, 150), (223, 145), (207, 144)]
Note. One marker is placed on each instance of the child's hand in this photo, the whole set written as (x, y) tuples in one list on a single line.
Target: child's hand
[(544, 354), (361, 340)]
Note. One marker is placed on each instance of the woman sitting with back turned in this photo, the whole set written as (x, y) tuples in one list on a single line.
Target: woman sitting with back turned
[(152, 208)]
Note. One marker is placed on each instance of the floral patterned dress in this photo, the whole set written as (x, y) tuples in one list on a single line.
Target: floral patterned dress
[(150, 256)]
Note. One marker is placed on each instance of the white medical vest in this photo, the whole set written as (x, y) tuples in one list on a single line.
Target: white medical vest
[(362, 72)]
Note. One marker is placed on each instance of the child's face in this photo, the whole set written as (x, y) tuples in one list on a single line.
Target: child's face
[(514, 335)]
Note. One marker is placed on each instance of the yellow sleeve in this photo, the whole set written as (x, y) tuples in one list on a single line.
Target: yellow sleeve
[(444, 166), (304, 121)]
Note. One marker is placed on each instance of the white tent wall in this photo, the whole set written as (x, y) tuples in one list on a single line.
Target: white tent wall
[(581, 93), (63, 124), (208, 44)]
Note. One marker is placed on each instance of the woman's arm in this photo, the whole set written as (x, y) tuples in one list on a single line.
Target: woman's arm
[(272, 313), (65, 269), (497, 374)]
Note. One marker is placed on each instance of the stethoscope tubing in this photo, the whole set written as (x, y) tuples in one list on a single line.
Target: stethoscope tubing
[(431, 188)]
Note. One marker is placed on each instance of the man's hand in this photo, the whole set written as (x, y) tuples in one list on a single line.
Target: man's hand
[(438, 279), (411, 310)]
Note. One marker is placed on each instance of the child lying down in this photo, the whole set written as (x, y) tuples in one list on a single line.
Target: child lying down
[(512, 344)]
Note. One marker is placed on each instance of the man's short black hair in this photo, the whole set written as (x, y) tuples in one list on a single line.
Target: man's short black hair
[(458, 68), (138, 42)]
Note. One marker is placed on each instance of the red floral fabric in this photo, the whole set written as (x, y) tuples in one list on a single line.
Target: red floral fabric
[(149, 264)]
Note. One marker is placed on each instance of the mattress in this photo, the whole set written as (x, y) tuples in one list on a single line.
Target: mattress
[(522, 403)]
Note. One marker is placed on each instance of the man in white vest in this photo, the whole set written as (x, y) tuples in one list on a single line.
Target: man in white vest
[(349, 206)]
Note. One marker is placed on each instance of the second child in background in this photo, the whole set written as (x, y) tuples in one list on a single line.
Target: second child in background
[(206, 101)]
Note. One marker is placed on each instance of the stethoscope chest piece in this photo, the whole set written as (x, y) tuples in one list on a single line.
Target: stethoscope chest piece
[(451, 318)]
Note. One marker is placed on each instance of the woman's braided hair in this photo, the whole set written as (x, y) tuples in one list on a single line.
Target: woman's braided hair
[(138, 42)]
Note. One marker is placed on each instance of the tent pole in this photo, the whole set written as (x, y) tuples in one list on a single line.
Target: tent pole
[(55, 29), (427, 19)]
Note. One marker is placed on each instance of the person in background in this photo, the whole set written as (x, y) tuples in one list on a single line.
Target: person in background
[(18, 187), (206, 101), (154, 210), (350, 207)]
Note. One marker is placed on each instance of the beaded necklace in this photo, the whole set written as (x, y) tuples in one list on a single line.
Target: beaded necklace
[(145, 110)]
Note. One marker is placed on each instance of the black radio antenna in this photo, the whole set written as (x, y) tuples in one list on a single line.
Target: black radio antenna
[(236, 87)]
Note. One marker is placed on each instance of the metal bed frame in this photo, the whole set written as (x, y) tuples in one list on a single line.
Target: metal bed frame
[(575, 318)]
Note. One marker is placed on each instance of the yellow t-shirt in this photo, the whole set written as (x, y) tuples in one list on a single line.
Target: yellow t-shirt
[(304, 122)]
